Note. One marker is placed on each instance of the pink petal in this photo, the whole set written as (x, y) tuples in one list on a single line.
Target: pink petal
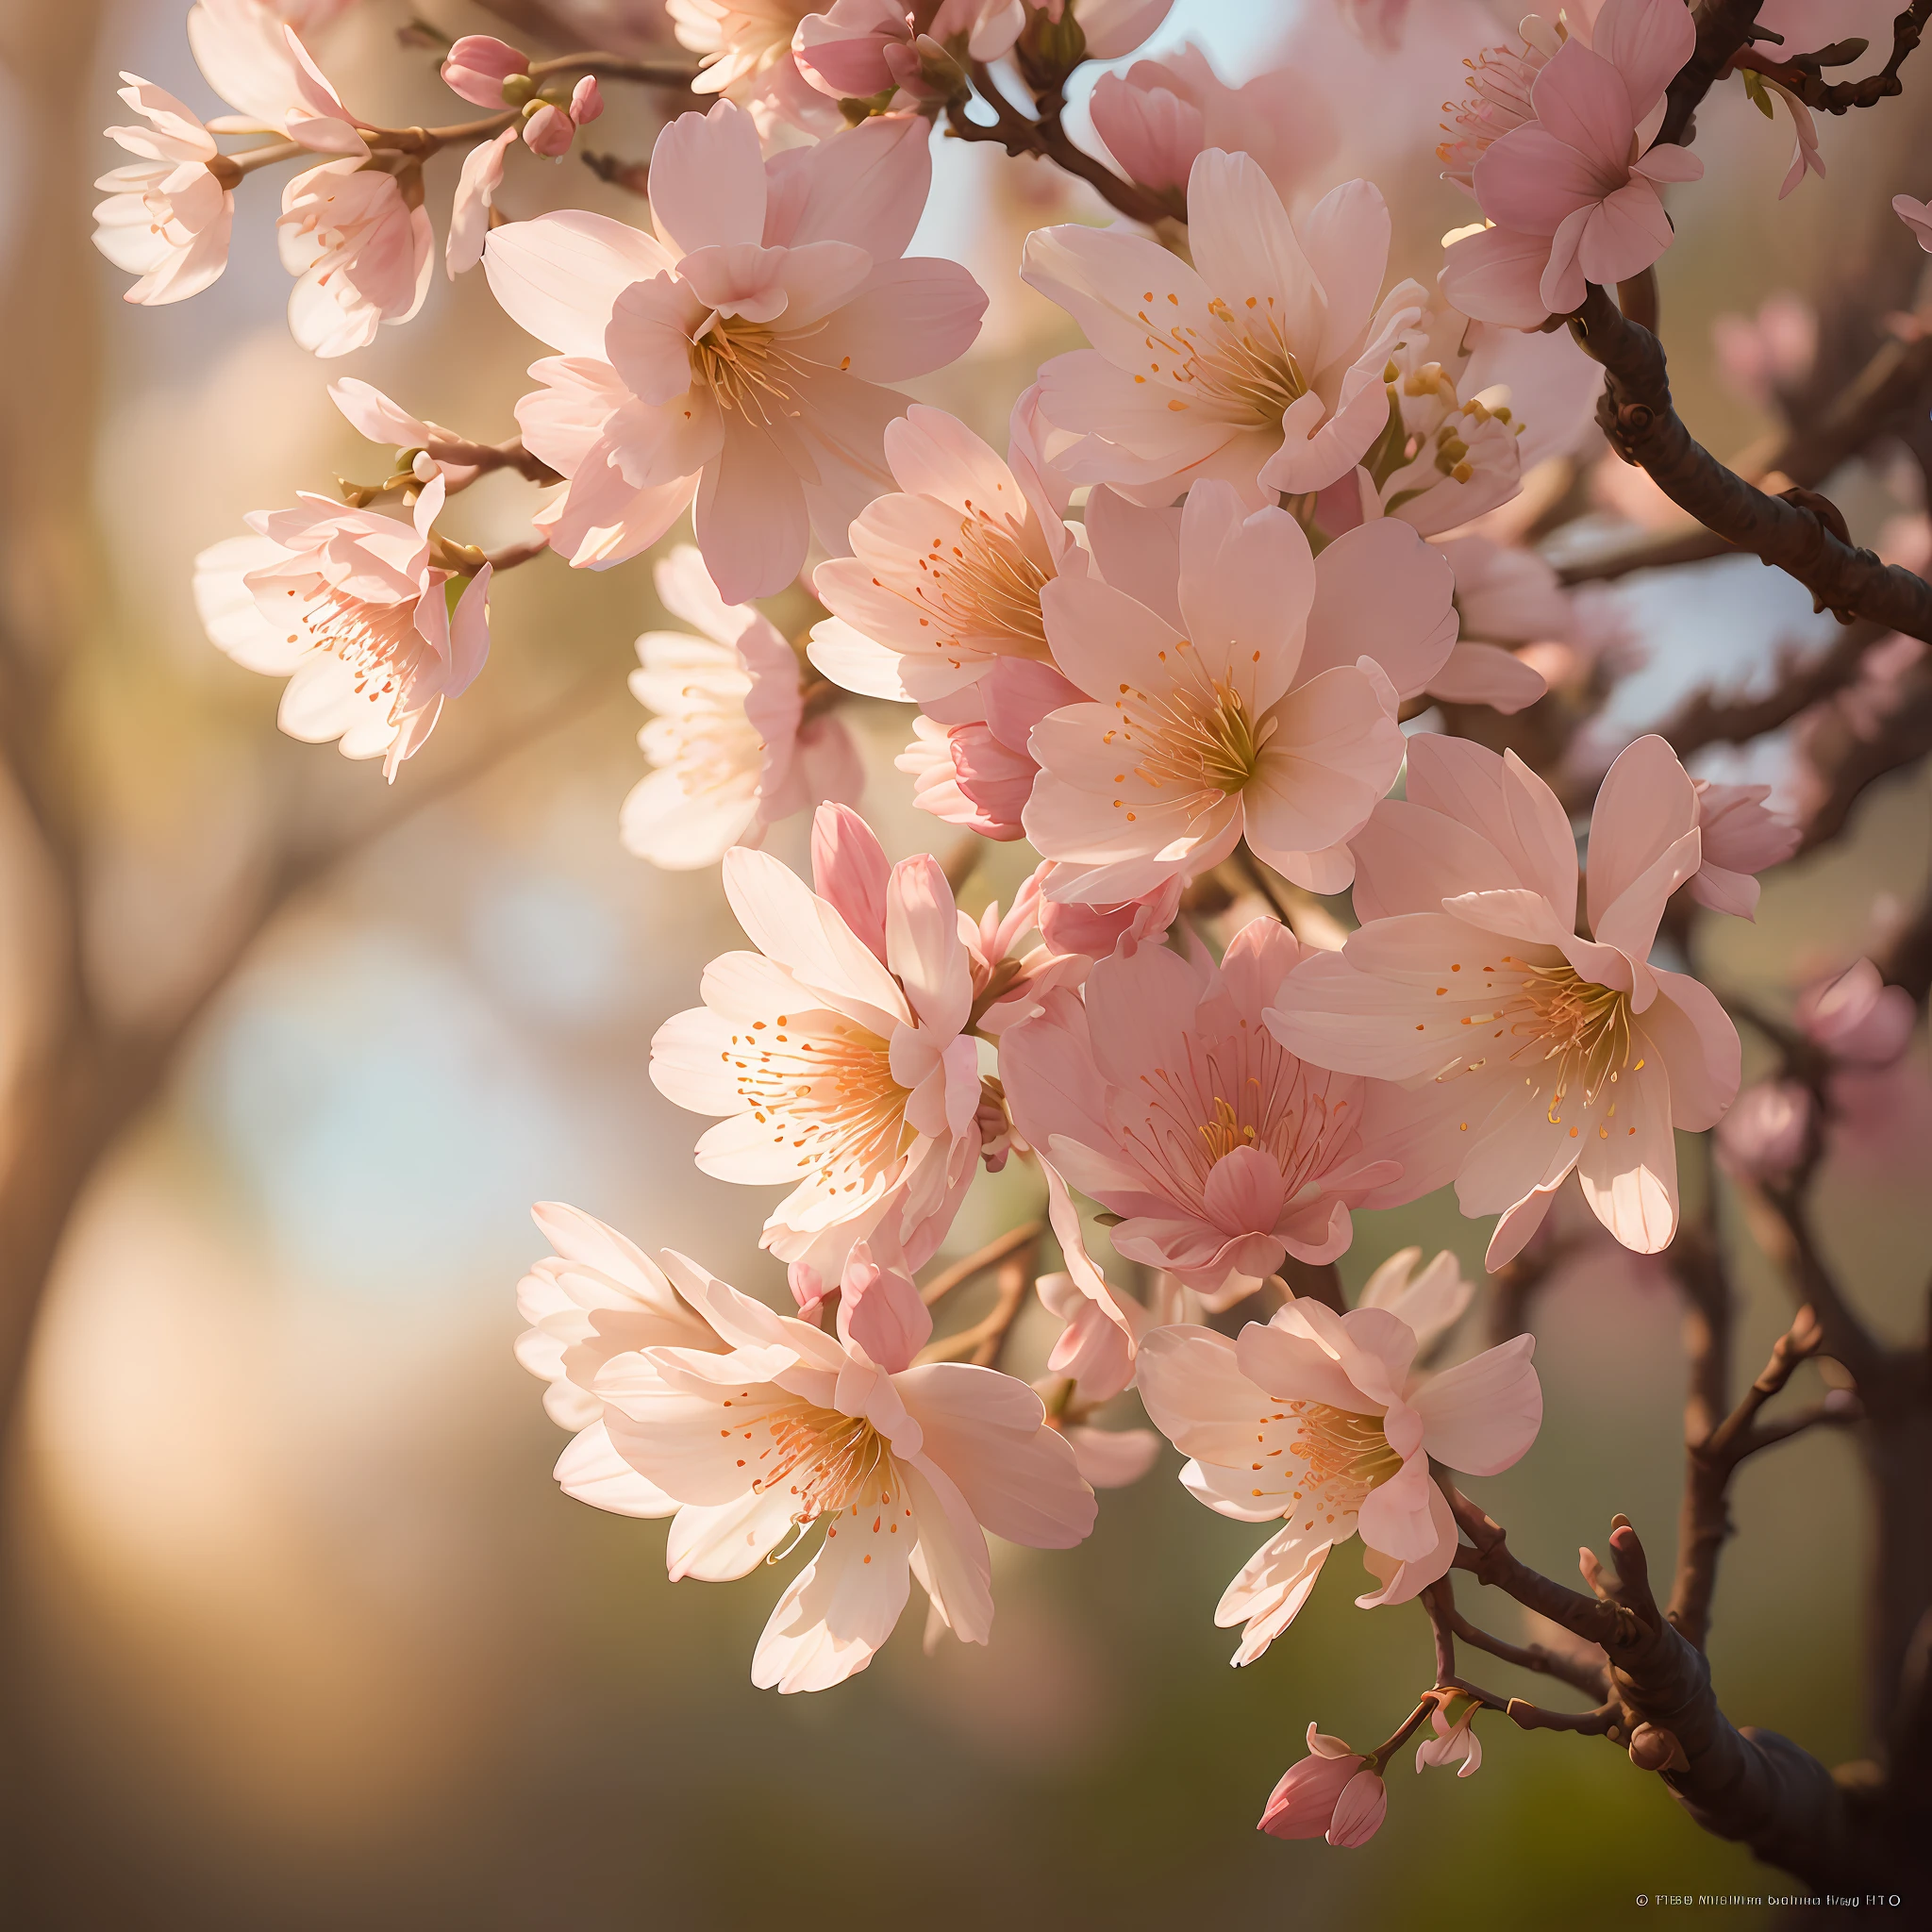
[(1381, 591), (708, 180), (1482, 1415)]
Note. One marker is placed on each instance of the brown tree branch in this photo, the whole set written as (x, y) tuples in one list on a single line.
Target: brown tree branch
[(1705, 719), (1722, 28), (1635, 413), (979, 1262), (1802, 75)]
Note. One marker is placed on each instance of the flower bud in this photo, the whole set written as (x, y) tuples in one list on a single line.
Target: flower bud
[(479, 67), (549, 130), (1763, 1137), (586, 101)]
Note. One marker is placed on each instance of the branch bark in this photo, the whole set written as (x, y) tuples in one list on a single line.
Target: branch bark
[(1637, 415)]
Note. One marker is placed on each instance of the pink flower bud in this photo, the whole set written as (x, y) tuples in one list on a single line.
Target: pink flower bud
[(549, 131), (1359, 1810), (477, 66), (1096, 930), (880, 1312), (849, 869), (1151, 132), (1305, 1802), (586, 101)]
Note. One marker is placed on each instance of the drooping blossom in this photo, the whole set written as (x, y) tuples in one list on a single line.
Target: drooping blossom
[(360, 254), (1574, 194), (168, 215), (1529, 1051), (836, 1051), (736, 356), (1164, 1097), (1739, 839), (256, 62), (347, 604), (744, 53), (1917, 216), (597, 1296), (1261, 365), (907, 1468), (1256, 697), (1455, 1740), (732, 748), (939, 604), (1319, 1420), (1334, 1793), (469, 214)]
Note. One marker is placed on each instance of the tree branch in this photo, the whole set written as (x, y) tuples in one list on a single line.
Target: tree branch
[(1803, 74), (1635, 413)]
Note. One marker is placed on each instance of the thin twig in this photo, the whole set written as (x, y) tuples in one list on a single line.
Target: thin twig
[(979, 1262)]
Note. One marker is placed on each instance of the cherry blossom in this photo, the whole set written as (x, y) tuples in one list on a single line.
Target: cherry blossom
[(907, 1468), (1261, 365), (1455, 1740), (168, 216), (744, 53), (361, 255), (836, 1051), (1574, 194), (1165, 1098), (1764, 1136), (736, 356), (1498, 90), (1158, 116), (1256, 696), (1917, 216), (1317, 1420), (731, 745), (347, 604), (257, 64), (1528, 1051), (478, 65), (1333, 1792), (1739, 838), (1856, 1018), (595, 1297)]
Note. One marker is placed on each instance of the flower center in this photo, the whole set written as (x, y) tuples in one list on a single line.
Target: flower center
[(712, 747), (379, 642), (985, 584), (823, 1085), (1342, 1448), (1582, 1027), (1204, 738), (746, 367), (823, 1458), (1242, 370)]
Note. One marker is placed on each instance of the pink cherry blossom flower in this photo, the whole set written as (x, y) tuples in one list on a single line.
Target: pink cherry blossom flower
[(1529, 1051), (1498, 89), (257, 63), (551, 130), (942, 586), (1262, 364), (736, 356), (907, 1468), (469, 214), (1764, 1136), (1456, 1741), (595, 1297), (1164, 1098), (1917, 216), (1739, 839), (478, 65), (1333, 1792), (1430, 1302), (167, 216), (838, 1052), (1255, 698), (732, 749), (360, 254), (862, 49), (1158, 116), (745, 49), (1574, 194), (1856, 1018), (963, 774), (347, 604), (1317, 1420)]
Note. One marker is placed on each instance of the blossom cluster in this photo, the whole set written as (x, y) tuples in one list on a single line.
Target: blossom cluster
[(1229, 630)]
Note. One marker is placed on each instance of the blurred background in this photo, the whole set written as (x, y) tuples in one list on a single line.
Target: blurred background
[(297, 1631)]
